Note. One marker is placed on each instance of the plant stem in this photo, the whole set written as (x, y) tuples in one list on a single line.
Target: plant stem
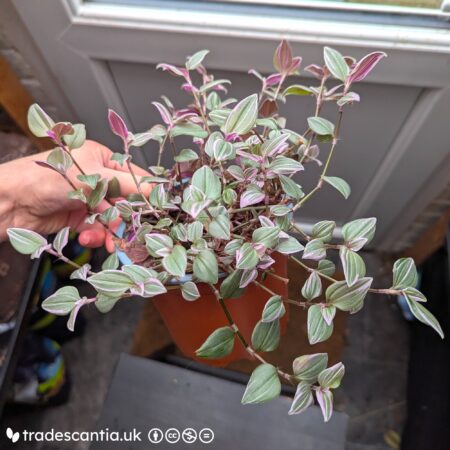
[(333, 280), (285, 299), (297, 228), (324, 171), (316, 114), (239, 334), (202, 112), (161, 149), (66, 260), (89, 211), (138, 186)]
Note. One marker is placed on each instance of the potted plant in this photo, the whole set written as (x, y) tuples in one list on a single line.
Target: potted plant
[(211, 241)]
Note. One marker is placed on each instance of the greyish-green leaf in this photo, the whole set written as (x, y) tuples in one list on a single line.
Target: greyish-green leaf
[(176, 262), (307, 367), (62, 301), (266, 336), (331, 377), (264, 385), (318, 329), (219, 343), (25, 241), (348, 298), (353, 265), (303, 398), (339, 184), (312, 287), (404, 273), (243, 116), (205, 267), (423, 315), (336, 63), (273, 309)]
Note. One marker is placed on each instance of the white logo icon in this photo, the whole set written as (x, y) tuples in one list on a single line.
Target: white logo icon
[(11, 435), (189, 435), (206, 435), (172, 435), (155, 435)]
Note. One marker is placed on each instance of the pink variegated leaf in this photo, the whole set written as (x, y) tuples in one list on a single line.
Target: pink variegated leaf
[(250, 173), (188, 87), (250, 156), (117, 125), (365, 66), (282, 58), (251, 196), (164, 112), (248, 275), (232, 137), (316, 70), (176, 71), (265, 262), (256, 74), (259, 248), (265, 221), (295, 65), (184, 114), (350, 97), (273, 79)]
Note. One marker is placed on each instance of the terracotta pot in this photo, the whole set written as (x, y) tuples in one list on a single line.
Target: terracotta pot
[(190, 323)]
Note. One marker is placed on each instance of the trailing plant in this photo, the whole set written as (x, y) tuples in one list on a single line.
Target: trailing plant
[(224, 208)]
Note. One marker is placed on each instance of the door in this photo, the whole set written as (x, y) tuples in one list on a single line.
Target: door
[(394, 148)]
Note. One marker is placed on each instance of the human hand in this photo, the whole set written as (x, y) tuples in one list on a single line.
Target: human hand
[(35, 197)]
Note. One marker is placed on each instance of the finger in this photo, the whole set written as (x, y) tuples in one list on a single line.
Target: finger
[(92, 237), (109, 243)]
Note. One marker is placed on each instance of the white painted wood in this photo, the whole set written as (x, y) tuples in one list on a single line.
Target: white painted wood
[(394, 145)]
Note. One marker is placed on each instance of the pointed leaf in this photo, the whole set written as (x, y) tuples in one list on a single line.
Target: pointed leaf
[(331, 377), (189, 291), (62, 301), (196, 59), (303, 398), (39, 122), (321, 126), (318, 329), (243, 116), (315, 249), (264, 385), (61, 239), (219, 344), (111, 282), (312, 287), (338, 183), (359, 232), (336, 63), (274, 309), (176, 262), (205, 267), (266, 336), (325, 401), (307, 367), (353, 265), (348, 298), (423, 315), (405, 273), (25, 241)]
